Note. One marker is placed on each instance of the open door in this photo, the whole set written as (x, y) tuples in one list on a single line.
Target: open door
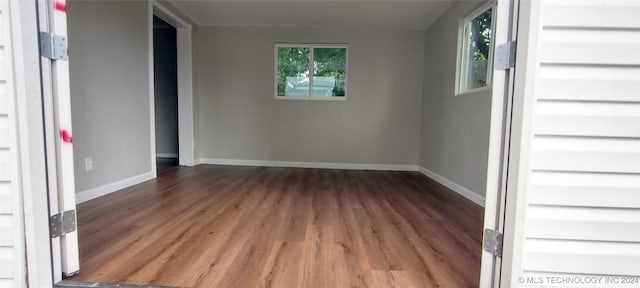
[(499, 140), (52, 21)]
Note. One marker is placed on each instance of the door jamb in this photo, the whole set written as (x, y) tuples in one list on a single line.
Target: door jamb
[(31, 141), (185, 85), (502, 81), (521, 141)]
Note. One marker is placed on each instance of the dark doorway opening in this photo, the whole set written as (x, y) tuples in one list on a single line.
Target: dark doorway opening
[(165, 63)]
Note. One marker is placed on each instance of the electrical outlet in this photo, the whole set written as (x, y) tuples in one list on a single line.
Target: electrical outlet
[(88, 164)]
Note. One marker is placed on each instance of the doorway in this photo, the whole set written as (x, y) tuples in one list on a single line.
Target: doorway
[(181, 41), (165, 62), (179, 148)]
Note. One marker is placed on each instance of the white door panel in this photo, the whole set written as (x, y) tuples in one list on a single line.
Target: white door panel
[(578, 167), (12, 244)]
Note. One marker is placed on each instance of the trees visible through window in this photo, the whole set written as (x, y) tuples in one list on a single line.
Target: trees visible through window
[(311, 71), (476, 53)]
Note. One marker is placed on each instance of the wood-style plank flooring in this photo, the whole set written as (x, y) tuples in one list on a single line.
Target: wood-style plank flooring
[(225, 226)]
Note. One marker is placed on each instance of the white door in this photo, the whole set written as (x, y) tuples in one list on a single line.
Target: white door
[(572, 191), (57, 112), (578, 216), (12, 244), (499, 141)]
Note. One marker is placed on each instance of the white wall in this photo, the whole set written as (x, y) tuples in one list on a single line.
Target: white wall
[(238, 117), (108, 58), (455, 129)]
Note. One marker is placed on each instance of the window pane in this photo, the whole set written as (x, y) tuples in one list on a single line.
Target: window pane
[(329, 70), (478, 48), (293, 71)]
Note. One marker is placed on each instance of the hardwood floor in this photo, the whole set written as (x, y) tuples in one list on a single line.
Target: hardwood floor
[(165, 163), (224, 226)]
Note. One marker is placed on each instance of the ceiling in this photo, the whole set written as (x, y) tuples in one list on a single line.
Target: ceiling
[(389, 14)]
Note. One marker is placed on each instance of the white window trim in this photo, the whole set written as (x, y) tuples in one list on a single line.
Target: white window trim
[(461, 63), (311, 47)]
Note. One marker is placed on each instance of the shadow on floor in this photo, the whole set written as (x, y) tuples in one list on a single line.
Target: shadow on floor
[(165, 163)]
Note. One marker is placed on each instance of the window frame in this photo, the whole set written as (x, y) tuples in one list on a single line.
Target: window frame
[(463, 43), (311, 61)]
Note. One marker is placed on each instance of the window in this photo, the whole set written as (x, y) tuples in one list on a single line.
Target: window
[(475, 51), (310, 71)]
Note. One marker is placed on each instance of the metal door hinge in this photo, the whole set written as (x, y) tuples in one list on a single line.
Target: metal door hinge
[(53, 46), (492, 242), (505, 56), (62, 223)]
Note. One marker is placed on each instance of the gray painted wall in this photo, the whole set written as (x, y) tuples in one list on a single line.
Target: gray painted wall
[(108, 58), (165, 87), (240, 119), (388, 117), (455, 129)]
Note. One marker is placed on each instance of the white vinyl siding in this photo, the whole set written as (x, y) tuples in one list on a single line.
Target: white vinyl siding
[(11, 240), (583, 214)]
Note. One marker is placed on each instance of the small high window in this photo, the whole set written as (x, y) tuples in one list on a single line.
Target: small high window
[(475, 50), (304, 71)]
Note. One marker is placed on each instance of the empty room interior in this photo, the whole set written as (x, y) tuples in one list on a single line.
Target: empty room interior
[(323, 143)]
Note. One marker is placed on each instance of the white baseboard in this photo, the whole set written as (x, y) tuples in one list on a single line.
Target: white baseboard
[(464, 192), (121, 184), (472, 196), (166, 155), (112, 187), (319, 165)]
